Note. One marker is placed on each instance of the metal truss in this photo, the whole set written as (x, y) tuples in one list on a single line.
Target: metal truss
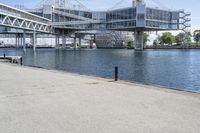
[(15, 18), (21, 23)]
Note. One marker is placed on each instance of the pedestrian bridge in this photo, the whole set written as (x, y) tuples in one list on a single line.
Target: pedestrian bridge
[(15, 18)]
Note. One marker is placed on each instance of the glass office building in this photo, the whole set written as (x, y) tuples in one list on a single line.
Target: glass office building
[(126, 19), (138, 19)]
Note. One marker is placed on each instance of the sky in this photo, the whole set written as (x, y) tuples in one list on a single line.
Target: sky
[(189, 6)]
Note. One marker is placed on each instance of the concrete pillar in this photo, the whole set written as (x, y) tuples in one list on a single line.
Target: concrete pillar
[(75, 45), (91, 43), (16, 41), (79, 44), (21, 40), (139, 40), (64, 41), (34, 41), (24, 41), (94, 38), (56, 41)]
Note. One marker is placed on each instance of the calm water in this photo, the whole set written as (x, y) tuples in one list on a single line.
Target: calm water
[(171, 68)]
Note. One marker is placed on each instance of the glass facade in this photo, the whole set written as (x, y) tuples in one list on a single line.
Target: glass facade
[(123, 14), (161, 19), (157, 14), (121, 19), (122, 24), (64, 18), (85, 14), (101, 16)]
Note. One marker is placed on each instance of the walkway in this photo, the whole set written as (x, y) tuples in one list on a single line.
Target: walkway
[(35, 100)]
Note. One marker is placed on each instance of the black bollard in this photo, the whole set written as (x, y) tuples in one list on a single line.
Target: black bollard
[(4, 55), (116, 73), (21, 61)]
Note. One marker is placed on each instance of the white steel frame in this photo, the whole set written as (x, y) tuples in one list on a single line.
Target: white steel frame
[(11, 17)]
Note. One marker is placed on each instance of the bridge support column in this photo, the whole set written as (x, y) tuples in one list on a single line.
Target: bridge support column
[(24, 41), (75, 45), (139, 40), (64, 42), (94, 38), (21, 40), (91, 43), (57, 41), (34, 41), (79, 44), (16, 41)]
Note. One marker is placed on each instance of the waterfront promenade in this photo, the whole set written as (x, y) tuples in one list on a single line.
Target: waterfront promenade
[(34, 100)]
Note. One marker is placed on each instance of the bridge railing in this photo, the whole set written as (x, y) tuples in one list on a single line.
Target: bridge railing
[(76, 22)]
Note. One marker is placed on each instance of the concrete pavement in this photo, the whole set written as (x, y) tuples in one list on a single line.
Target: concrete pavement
[(35, 100)]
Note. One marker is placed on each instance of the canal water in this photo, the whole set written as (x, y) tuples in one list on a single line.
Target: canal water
[(171, 68)]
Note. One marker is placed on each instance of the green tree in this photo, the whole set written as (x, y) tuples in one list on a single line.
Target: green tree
[(130, 44), (155, 43), (145, 38), (196, 36), (179, 38), (167, 38)]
